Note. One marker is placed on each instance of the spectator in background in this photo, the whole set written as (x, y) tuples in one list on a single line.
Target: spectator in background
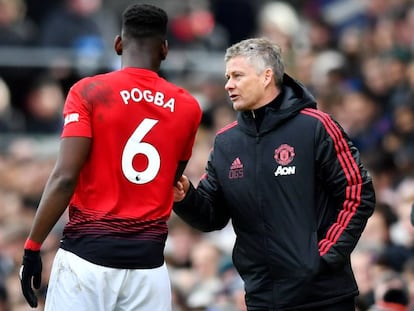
[(279, 22), (362, 260), (16, 29), (25, 165), (325, 66), (406, 26), (180, 241), (402, 232), (385, 174), (320, 36), (397, 62), (194, 27), (386, 255), (230, 296), (363, 120), (84, 27), (374, 81), (43, 106), (339, 14), (352, 45), (302, 67), (205, 261), (11, 119), (37, 11), (241, 23), (12, 236), (79, 24), (376, 235), (400, 140), (390, 293)]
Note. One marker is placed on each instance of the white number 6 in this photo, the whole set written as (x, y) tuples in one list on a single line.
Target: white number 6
[(135, 146)]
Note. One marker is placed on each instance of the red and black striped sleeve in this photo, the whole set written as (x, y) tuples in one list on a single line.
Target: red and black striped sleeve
[(348, 181)]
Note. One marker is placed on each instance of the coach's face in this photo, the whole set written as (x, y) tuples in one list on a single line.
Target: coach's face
[(245, 86)]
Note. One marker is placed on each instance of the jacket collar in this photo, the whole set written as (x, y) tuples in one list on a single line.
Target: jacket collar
[(293, 98)]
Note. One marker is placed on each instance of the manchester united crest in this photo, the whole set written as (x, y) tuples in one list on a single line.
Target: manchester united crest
[(284, 154)]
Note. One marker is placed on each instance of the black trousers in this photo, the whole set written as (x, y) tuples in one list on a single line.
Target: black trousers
[(346, 305)]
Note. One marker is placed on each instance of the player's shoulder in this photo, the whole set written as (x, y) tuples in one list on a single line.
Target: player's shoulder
[(94, 79), (180, 93), (175, 89), (90, 87)]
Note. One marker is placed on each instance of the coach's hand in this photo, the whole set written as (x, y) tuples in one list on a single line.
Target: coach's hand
[(181, 188), (31, 269)]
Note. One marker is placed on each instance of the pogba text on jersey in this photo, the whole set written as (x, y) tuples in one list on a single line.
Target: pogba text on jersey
[(157, 98)]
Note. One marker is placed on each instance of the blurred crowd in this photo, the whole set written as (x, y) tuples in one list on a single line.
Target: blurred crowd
[(356, 56)]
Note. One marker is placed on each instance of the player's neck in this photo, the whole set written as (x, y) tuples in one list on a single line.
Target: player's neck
[(136, 62), (140, 60)]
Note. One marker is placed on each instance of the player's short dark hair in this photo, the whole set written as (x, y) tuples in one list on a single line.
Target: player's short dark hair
[(143, 21)]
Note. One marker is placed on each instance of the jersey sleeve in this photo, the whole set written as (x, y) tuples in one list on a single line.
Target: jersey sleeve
[(76, 114)]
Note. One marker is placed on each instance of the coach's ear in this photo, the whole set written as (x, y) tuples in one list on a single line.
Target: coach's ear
[(118, 45)]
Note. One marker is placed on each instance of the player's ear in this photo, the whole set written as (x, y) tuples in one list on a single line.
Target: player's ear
[(118, 45), (164, 50)]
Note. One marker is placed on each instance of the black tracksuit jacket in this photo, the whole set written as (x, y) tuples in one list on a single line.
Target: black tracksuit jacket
[(298, 198)]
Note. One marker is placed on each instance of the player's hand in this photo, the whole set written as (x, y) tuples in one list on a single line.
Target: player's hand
[(181, 188), (31, 271)]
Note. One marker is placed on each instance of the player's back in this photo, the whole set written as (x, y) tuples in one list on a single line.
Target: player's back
[(141, 126)]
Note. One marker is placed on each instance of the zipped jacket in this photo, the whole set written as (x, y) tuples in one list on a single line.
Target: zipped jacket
[(298, 198)]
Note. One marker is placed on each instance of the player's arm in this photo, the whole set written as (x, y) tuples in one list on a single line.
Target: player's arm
[(59, 188)]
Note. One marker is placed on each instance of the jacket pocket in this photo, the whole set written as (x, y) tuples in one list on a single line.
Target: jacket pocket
[(296, 257)]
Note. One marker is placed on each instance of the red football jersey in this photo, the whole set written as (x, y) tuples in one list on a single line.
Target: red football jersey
[(141, 126)]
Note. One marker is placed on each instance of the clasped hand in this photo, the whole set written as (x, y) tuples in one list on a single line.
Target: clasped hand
[(181, 188)]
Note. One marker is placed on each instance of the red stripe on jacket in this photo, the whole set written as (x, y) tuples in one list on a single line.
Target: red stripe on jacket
[(352, 174)]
